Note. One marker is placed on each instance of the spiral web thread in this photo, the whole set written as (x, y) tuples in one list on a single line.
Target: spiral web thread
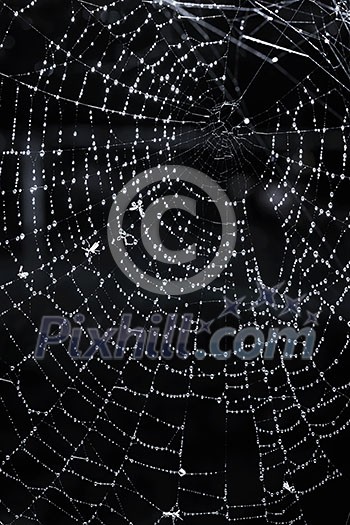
[(111, 91)]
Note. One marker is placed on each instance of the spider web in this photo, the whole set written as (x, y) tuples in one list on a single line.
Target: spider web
[(255, 95)]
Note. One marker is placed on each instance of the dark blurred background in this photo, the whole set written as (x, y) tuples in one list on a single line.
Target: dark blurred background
[(90, 96)]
